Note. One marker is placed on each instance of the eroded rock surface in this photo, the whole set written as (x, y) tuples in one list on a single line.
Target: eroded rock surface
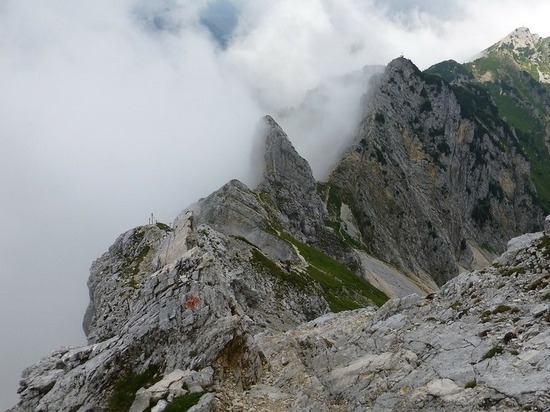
[(430, 179), (482, 343)]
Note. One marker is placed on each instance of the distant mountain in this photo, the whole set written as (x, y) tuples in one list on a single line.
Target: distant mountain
[(516, 73), (528, 52)]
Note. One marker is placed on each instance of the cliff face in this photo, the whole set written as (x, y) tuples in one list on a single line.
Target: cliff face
[(516, 73), (434, 179)]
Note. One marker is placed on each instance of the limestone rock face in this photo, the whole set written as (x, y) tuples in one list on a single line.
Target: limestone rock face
[(185, 314), (115, 278), (429, 185), (237, 211), (228, 303), (289, 184), (479, 344)]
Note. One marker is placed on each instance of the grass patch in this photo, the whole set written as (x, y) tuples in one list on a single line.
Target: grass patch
[(483, 333), (334, 197), (508, 271), (124, 391), (132, 263), (501, 309), (545, 246), (184, 403), (497, 350), (132, 267), (539, 283), (342, 288), (266, 265), (164, 226)]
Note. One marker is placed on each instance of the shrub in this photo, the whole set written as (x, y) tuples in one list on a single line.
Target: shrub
[(501, 309), (124, 391), (481, 212), (184, 403), (426, 107), (444, 148), (497, 350)]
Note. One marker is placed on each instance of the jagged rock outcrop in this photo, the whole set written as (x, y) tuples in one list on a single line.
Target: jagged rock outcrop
[(182, 300), (481, 343), (181, 316), (289, 184), (429, 184), (238, 211)]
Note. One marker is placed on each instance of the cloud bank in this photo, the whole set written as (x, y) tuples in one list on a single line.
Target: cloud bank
[(112, 110)]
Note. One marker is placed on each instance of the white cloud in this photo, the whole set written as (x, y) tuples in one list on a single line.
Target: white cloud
[(112, 110)]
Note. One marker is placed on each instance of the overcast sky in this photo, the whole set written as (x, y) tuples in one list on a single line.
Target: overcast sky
[(112, 110)]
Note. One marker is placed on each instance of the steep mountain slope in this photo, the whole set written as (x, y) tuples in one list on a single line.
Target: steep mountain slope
[(516, 73), (188, 298), (481, 343), (434, 176)]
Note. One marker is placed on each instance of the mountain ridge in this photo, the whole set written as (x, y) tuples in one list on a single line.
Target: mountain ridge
[(419, 152), (529, 51), (264, 298), (513, 75)]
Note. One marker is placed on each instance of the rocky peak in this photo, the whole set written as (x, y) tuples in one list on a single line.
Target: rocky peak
[(283, 165), (529, 52), (520, 38), (402, 66), (429, 181), (288, 182)]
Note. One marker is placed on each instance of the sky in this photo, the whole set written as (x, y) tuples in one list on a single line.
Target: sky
[(111, 111)]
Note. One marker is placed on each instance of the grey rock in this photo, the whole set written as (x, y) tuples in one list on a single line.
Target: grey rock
[(169, 385), (141, 402), (195, 388), (424, 178), (223, 302), (160, 406), (289, 183), (235, 210), (515, 245), (207, 403)]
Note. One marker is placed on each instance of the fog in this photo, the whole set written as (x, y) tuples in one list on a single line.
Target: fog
[(111, 111)]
